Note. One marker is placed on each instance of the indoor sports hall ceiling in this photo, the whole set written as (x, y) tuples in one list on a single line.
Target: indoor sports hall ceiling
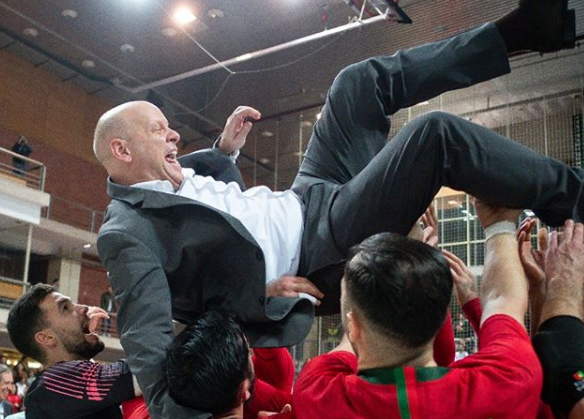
[(126, 49)]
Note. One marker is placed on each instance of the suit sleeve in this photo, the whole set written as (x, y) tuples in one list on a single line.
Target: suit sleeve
[(144, 318), (211, 162)]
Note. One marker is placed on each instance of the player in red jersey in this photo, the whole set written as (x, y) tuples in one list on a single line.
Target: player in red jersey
[(395, 295)]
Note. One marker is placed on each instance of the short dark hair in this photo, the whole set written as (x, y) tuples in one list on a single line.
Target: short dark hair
[(402, 287), (207, 363), (26, 318)]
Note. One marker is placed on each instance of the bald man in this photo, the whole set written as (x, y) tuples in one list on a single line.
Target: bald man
[(177, 243)]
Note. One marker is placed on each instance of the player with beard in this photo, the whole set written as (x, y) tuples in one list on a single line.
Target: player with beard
[(47, 326)]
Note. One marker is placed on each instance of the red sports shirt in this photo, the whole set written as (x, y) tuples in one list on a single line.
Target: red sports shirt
[(501, 381)]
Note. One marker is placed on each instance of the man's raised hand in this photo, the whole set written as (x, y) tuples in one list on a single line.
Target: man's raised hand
[(464, 280), (532, 259), (237, 127)]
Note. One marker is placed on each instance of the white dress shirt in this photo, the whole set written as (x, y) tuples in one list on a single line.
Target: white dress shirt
[(274, 219)]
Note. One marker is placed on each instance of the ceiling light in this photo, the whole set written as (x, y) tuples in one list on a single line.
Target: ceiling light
[(297, 153), (183, 16), (424, 103), (30, 32), (169, 32), (267, 134), (318, 115), (87, 246), (452, 202), (265, 161), (215, 13), (244, 57), (127, 48), (69, 13), (88, 63)]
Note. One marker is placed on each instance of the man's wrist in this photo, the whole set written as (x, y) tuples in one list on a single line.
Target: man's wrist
[(233, 155), (217, 145)]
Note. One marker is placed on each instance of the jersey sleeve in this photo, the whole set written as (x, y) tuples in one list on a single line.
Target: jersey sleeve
[(473, 312), (506, 359)]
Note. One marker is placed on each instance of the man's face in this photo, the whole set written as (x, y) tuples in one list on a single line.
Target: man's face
[(70, 324), (6, 382), (152, 145)]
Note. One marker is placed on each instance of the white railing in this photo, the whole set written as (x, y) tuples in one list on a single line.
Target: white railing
[(74, 214), (33, 175)]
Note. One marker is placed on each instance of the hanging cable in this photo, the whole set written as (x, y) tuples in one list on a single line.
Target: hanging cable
[(289, 63)]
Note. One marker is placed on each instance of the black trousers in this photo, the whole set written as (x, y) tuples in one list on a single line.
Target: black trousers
[(386, 186)]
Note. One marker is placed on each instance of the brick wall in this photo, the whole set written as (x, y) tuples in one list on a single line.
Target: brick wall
[(58, 118), (93, 283)]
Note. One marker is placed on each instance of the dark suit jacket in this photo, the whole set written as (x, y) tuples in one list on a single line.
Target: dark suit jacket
[(6, 407), (172, 257)]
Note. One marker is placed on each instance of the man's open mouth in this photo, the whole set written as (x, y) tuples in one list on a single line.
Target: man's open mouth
[(89, 331), (171, 157)]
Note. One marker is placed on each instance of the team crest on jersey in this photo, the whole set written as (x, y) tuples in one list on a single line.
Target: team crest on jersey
[(579, 380)]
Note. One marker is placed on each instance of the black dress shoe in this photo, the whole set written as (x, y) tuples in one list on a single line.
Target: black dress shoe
[(553, 25)]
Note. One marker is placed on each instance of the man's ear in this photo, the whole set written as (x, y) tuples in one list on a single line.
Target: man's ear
[(245, 390), (120, 151), (46, 339), (354, 326)]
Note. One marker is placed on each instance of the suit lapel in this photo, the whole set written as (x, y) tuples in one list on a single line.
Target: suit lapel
[(148, 199)]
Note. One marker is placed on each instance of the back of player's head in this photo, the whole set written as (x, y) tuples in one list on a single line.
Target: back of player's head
[(207, 364), (26, 318), (402, 288)]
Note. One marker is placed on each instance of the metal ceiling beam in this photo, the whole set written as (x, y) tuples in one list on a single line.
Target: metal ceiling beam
[(256, 54)]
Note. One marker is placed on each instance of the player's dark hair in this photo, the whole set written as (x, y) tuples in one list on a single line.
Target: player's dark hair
[(207, 363), (401, 286), (26, 318)]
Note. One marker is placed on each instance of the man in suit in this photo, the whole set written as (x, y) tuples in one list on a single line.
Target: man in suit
[(6, 381), (177, 244)]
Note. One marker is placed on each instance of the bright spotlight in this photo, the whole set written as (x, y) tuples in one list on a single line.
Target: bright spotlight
[(183, 15)]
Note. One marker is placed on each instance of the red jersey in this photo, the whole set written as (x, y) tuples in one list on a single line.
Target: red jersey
[(501, 381), (274, 369)]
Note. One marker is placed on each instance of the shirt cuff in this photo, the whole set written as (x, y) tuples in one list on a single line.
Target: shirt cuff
[(233, 155)]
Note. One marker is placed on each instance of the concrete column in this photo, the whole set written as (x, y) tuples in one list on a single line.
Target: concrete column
[(68, 270)]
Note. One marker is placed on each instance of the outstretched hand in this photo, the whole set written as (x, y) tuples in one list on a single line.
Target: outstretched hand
[(533, 260), (292, 286), (426, 228), (237, 127), (564, 264), (464, 280), (430, 221), (565, 253)]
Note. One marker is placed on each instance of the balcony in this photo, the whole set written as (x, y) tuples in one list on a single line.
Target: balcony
[(35, 224)]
